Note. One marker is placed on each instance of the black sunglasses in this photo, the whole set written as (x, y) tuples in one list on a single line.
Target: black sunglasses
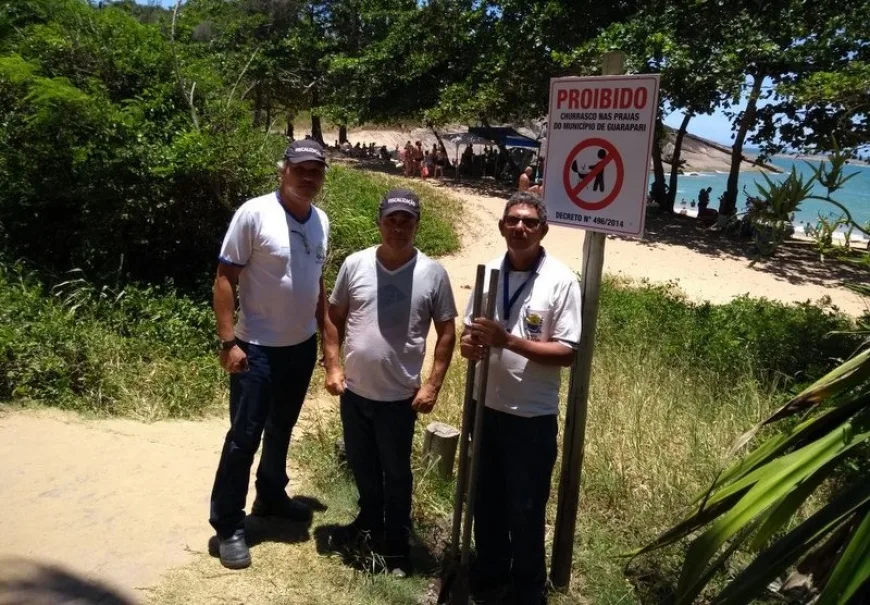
[(528, 221)]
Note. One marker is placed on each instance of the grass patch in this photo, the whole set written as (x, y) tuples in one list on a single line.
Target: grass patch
[(136, 351), (666, 402), (297, 571), (674, 383), (351, 198), (148, 352)]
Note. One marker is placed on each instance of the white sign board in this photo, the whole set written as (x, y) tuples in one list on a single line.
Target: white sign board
[(600, 133)]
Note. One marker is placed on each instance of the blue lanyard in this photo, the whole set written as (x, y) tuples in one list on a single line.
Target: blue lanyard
[(508, 302)]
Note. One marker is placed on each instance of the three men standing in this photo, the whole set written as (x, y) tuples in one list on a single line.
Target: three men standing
[(384, 300), (533, 335), (272, 258)]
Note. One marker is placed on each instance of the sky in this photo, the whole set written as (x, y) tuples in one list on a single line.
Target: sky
[(715, 127)]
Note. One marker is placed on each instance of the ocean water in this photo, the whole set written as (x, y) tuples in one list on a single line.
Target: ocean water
[(855, 195)]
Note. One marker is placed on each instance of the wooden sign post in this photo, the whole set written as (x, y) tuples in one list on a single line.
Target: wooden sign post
[(600, 130)]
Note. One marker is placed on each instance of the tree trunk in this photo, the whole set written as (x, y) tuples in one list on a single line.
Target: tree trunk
[(316, 129), (289, 131), (658, 188), (729, 203), (675, 164), (437, 137), (342, 134)]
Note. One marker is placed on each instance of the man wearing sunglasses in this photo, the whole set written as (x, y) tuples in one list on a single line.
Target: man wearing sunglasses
[(271, 259), (384, 301), (532, 337)]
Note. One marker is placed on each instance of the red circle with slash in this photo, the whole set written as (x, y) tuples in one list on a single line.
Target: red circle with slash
[(612, 156)]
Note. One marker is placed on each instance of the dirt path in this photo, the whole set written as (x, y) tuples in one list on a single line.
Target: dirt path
[(94, 511), (97, 510)]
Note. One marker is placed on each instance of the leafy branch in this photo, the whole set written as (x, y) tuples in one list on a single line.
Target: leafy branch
[(770, 215)]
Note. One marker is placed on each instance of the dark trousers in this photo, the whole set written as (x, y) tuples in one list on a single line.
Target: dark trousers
[(516, 464), (267, 398), (377, 439)]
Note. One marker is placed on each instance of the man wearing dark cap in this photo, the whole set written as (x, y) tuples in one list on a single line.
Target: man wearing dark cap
[(384, 300), (272, 260)]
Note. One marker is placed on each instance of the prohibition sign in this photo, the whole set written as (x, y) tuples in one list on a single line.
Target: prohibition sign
[(612, 156)]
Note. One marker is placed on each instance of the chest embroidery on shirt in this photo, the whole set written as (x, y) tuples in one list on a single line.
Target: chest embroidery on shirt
[(534, 324), (320, 253)]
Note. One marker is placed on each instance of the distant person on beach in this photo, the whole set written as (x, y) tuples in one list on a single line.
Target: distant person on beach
[(466, 160), (706, 215), (417, 153), (525, 180), (704, 198), (532, 337), (408, 158), (272, 260), (440, 162), (384, 301), (429, 161)]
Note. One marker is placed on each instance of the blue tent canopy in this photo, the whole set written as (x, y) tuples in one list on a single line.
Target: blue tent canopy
[(506, 136), (521, 141)]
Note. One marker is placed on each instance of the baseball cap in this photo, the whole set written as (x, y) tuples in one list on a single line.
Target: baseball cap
[(306, 150), (400, 200)]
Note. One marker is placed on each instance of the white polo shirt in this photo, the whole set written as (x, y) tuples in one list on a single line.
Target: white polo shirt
[(547, 309), (283, 261)]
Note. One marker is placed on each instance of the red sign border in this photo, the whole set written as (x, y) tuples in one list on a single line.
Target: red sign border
[(620, 173), (554, 84)]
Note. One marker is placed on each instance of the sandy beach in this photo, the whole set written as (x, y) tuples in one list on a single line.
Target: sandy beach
[(703, 266), (700, 156)]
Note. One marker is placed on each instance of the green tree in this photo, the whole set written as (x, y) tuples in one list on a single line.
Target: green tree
[(786, 43), (102, 162), (672, 39)]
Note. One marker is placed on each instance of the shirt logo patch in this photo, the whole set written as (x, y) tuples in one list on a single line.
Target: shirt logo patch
[(320, 253), (534, 324)]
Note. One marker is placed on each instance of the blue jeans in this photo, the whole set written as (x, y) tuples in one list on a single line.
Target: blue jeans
[(267, 398), (377, 439), (516, 464)]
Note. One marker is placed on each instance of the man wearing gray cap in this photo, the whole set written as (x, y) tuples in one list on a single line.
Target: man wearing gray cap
[(384, 300), (272, 260)]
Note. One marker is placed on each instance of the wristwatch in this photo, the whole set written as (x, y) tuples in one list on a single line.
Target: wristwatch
[(226, 345)]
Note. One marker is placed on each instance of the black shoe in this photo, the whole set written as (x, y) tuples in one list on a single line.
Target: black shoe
[(234, 551), (490, 590), (399, 567), (353, 535), (496, 595), (286, 508)]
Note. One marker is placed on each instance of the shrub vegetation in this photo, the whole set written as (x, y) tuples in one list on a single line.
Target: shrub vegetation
[(148, 351), (674, 382)]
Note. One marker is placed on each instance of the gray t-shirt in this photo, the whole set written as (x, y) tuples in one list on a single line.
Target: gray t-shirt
[(389, 314)]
